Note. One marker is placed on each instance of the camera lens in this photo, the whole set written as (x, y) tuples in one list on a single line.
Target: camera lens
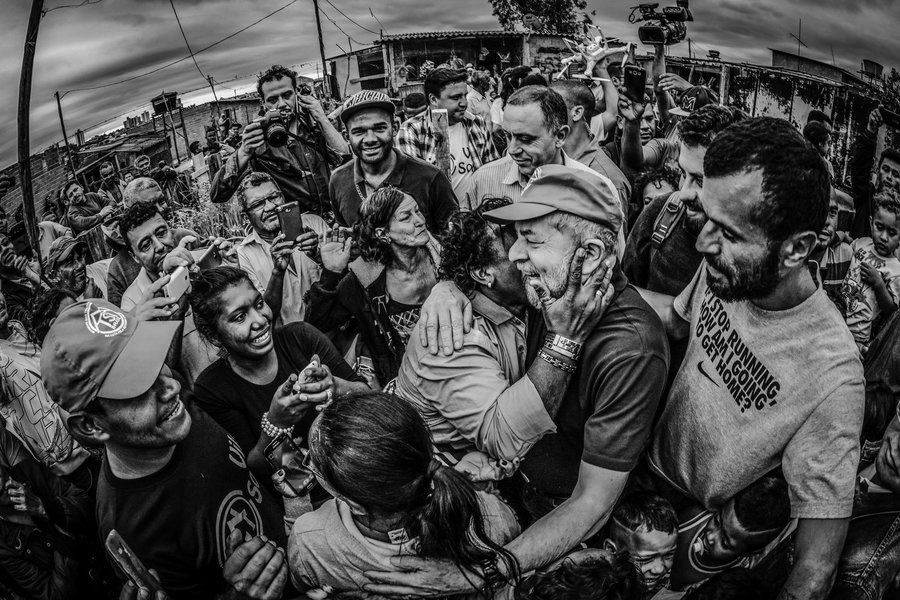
[(276, 134)]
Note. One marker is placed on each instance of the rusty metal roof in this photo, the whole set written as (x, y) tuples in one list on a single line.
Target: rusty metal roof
[(431, 35)]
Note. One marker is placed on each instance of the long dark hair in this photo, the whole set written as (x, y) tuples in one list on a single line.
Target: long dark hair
[(46, 309), (376, 450), (376, 212), (206, 297)]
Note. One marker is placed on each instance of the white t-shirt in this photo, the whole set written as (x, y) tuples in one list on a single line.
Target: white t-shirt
[(461, 164), (859, 297), (758, 389)]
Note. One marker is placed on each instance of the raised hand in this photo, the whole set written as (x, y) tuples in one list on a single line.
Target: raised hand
[(335, 249)]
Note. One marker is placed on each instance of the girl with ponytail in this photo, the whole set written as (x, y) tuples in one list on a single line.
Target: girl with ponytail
[(373, 453)]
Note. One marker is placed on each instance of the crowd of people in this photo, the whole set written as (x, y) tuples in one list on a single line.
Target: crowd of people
[(526, 339)]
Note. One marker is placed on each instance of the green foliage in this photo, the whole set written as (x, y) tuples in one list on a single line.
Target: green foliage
[(553, 16)]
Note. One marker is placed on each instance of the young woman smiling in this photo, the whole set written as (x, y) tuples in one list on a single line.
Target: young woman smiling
[(385, 287), (254, 392)]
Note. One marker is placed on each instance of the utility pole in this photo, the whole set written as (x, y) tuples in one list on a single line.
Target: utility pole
[(34, 23), (216, 98), (326, 85), (62, 124)]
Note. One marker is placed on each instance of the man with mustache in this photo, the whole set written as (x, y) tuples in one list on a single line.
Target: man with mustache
[(279, 268), (771, 377), (369, 119), (302, 166), (152, 244)]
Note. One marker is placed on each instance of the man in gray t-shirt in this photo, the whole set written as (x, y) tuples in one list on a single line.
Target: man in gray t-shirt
[(771, 376)]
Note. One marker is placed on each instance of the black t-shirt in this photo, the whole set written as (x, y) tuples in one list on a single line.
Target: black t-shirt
[(238, 405), (424, 182), (178, 520), (606, 416)]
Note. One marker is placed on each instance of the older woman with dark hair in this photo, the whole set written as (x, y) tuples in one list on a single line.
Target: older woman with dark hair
[(385, 287)]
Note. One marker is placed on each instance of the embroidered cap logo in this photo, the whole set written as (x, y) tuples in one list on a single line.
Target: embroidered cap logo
[(104, 321), (534, 176)]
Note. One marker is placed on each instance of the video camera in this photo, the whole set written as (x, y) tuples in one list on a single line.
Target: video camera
[(669, 27)]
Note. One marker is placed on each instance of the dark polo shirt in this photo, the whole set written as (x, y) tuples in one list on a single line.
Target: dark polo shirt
[(424, 182), (607, 414)]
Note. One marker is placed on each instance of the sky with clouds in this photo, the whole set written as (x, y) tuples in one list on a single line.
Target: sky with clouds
[(109, 40)]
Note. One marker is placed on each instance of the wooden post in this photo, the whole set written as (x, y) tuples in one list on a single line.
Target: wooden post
[(326, 84), (62, 125), (34, 22)]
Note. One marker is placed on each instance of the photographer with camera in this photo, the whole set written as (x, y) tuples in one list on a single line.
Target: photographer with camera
[(294, 142)]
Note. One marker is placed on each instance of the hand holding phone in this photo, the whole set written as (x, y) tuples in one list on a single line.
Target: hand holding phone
[(210, 259), (179, 283), (130, 564), (291, 220), (635, 82)]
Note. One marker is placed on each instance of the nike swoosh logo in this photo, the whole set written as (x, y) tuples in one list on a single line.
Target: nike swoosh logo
[(705, 374)]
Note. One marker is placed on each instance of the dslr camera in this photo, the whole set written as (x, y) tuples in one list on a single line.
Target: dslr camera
[(663, 28), (274, 128)]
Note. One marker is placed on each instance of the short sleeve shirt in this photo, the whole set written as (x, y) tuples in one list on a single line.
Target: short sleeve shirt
[(607, 413), (758, 389)]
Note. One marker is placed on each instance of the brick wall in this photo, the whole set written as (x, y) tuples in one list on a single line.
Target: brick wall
[(48, 173), (196, 118)]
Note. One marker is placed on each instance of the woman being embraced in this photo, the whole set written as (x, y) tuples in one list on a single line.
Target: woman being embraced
[(269, 379), (373, 453), (385, 287)]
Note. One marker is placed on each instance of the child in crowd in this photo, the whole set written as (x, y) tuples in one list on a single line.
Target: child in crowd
[(589, 574), (872, 284), (645, 526), (710, 542), (830, 260)]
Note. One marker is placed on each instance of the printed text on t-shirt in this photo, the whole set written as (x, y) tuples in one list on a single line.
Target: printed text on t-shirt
[(748, 380)]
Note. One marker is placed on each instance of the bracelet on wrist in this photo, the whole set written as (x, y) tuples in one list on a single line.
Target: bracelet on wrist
[(563, 346), (271, 430), (491, 576), (555, 362)]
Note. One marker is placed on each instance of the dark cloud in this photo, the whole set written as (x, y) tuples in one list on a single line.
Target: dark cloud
[(116, 39)]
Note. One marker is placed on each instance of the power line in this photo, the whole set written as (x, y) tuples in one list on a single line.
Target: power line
[(184, 58), (333, 22), (49, 10), (380, 24), (350, 19), (186, 42)]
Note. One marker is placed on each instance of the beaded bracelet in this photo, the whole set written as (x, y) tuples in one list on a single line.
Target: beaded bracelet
[(272, 431), (555, 362)]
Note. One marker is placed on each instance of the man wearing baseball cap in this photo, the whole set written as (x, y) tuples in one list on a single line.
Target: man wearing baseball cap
[(573, 477), (173, 484), (369, 119), (67, 265)]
